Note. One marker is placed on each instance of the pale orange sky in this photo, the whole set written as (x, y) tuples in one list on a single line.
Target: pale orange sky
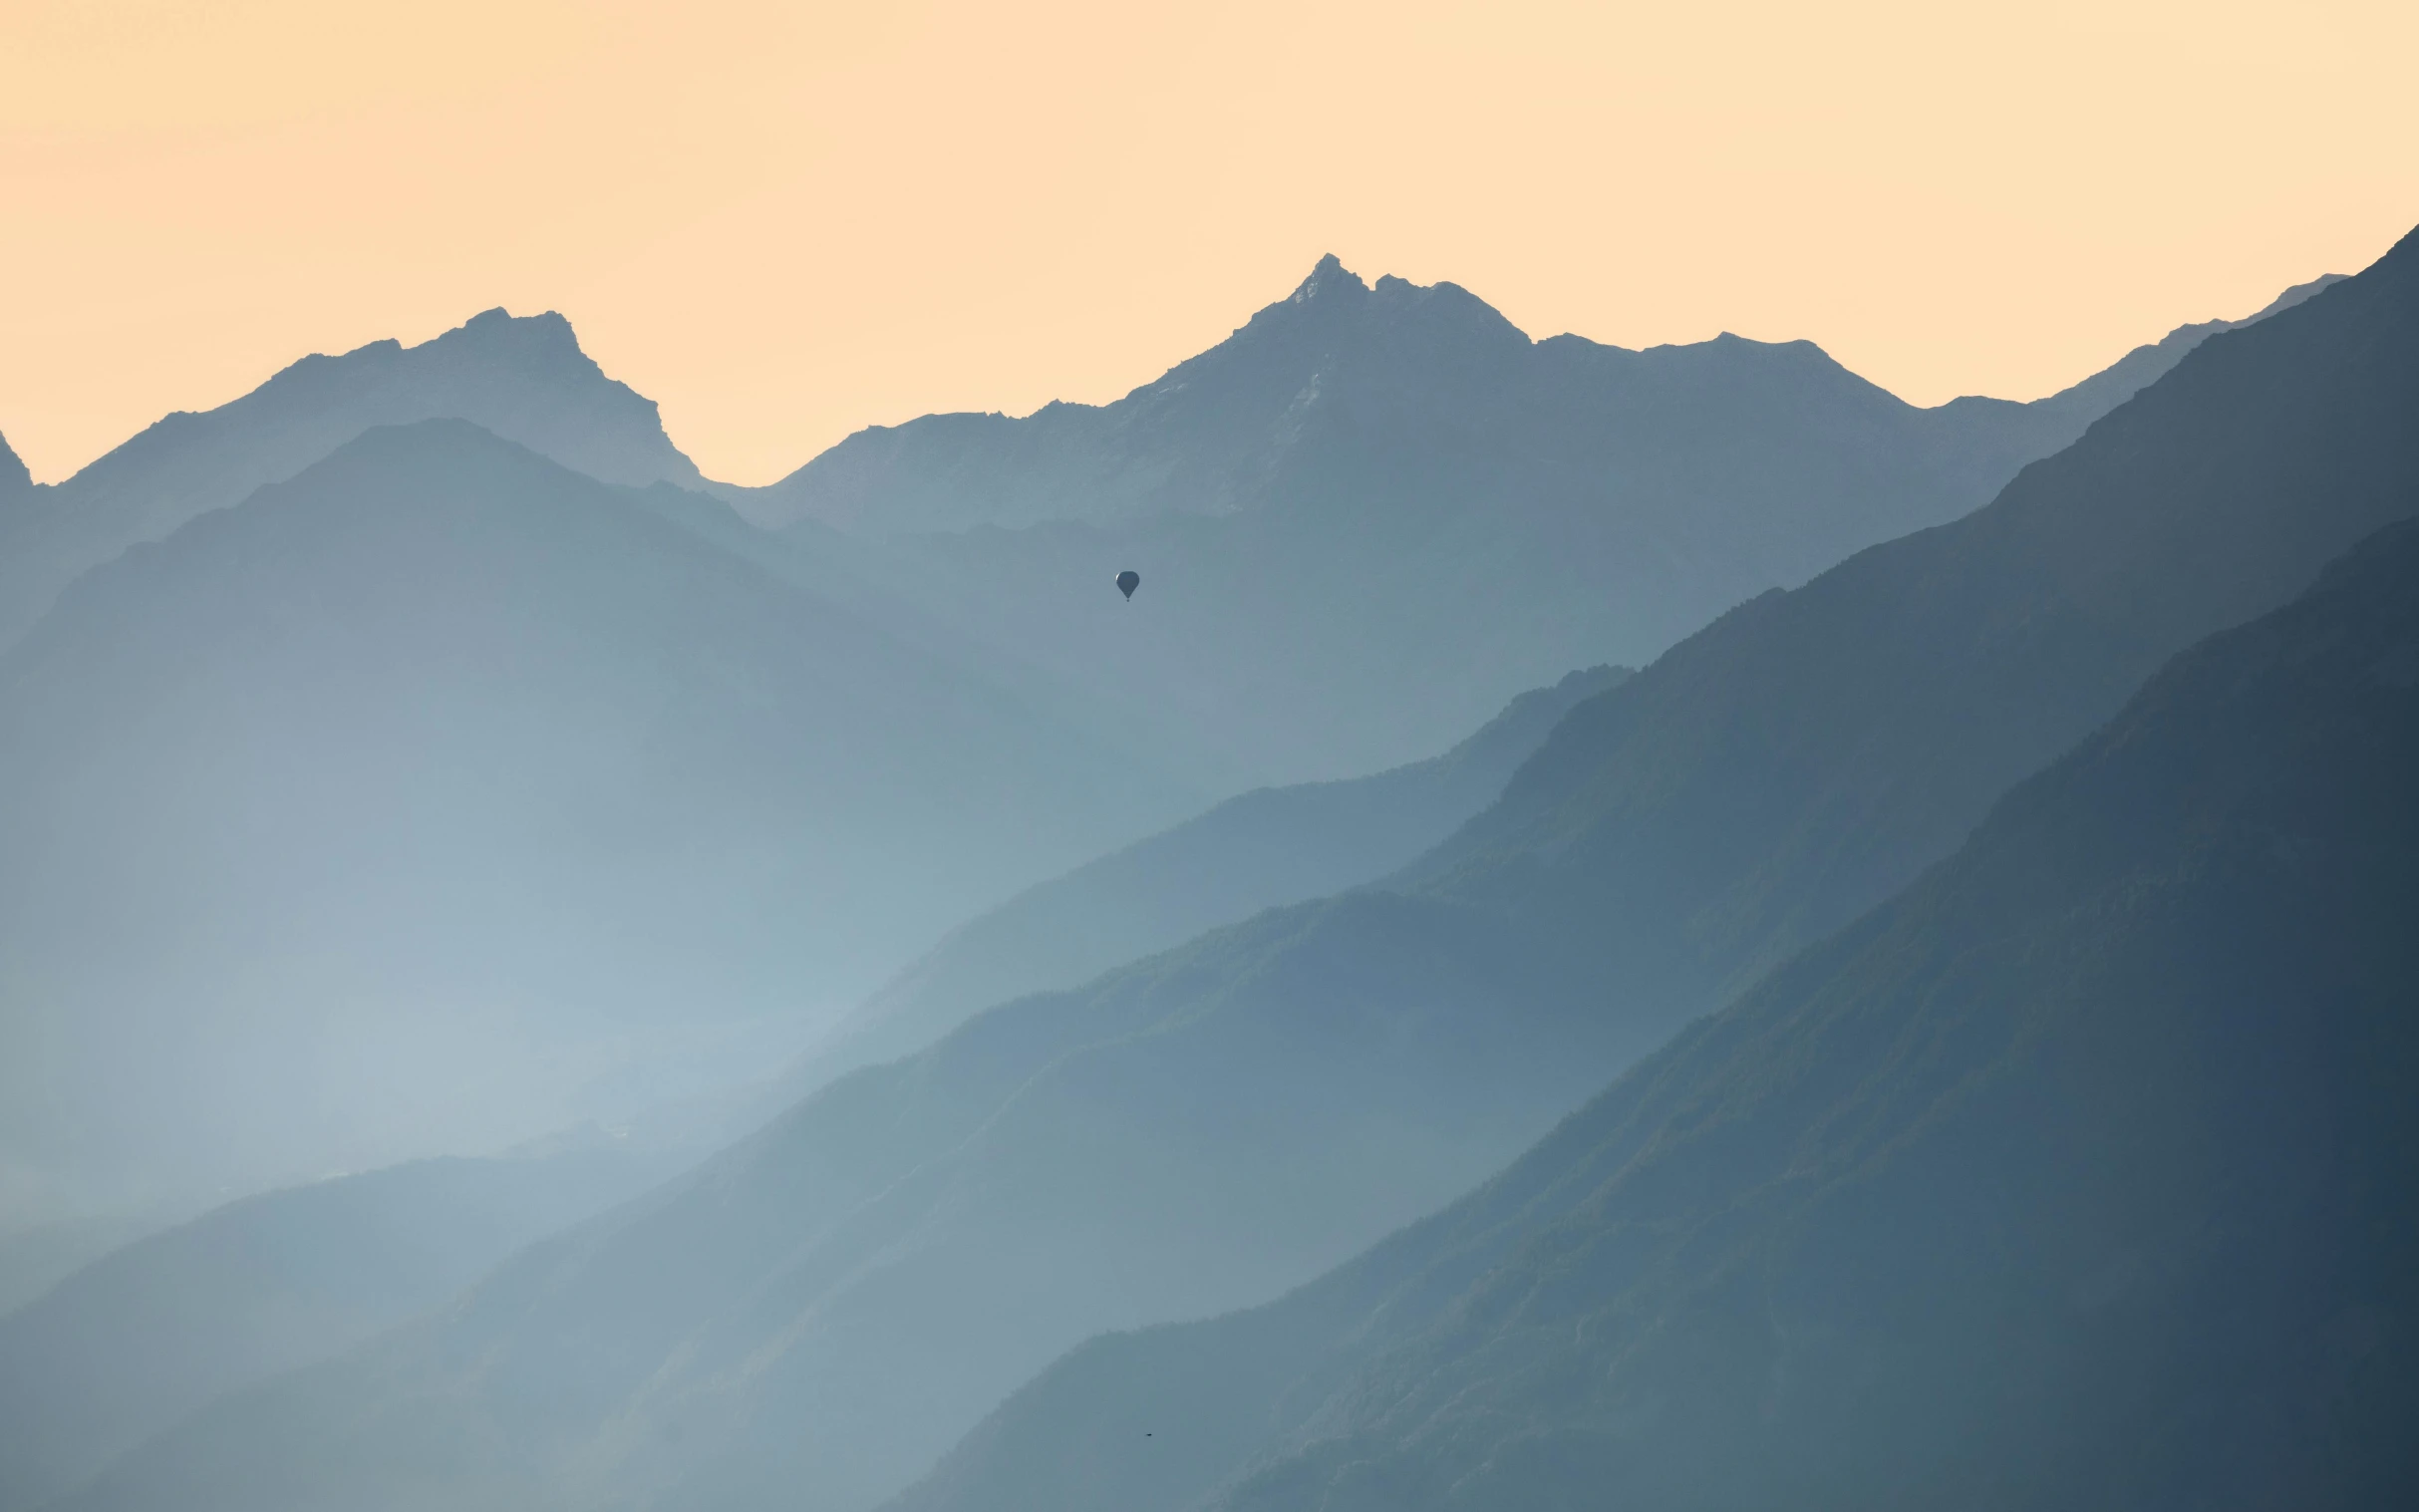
[(786, 221)]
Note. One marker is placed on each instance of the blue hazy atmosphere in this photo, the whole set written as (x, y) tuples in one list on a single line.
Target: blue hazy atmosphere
[(1407, 918)]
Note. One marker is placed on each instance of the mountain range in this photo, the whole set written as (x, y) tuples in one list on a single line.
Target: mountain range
[(525, 379), (479, 797), (1376, 512), (285, 1279), (549, 826), (830, 1302), (2081, 1174)]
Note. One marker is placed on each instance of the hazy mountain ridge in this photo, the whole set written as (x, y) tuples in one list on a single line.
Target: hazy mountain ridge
[(1305, 840), (1593, 504), (1217, 1117), (1761, 786), (1376, 512), (1260, 849), (2147, 363), (1209, 436), (1941, 1212), (832, 1300), (134, 1341), (525, 379), (444, 750)]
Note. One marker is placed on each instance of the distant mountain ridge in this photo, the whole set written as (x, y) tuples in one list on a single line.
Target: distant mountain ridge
[(1368, 491), (1378, 510), (2146, 364), (1209, 436), (524, 378), (454, 779), (830, 1302)]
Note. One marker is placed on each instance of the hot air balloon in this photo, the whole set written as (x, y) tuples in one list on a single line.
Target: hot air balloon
[(1128, 581)]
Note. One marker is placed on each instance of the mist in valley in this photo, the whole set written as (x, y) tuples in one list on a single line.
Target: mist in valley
[(1409, 915)]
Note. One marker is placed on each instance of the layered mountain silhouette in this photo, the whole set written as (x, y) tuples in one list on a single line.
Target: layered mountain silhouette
[(1134, 692), (442, 795), (830, 1302), (525, 379), (1218, 432), (2147, 363), (1375, 512), (269, 1284), (1263, 849), (136, 1340), (2079, 1175)]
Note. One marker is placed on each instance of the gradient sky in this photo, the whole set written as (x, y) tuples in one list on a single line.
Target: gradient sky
[(787, 221)]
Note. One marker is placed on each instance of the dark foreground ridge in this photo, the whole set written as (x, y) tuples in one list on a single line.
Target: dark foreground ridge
[(2081, 1175)]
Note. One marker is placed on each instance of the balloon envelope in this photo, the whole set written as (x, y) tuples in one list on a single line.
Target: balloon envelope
[(1128, 581)]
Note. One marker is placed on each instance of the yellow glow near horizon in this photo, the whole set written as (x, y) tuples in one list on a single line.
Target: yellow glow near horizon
[(786, 221)]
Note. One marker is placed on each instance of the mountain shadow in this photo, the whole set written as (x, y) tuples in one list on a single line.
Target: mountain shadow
[(2082, 1174), (1377, 512), (827, 1306), (479, 797), (525, 379)]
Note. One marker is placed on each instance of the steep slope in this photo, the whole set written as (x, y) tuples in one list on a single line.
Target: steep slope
[(821, 1309), (525, 379), (1809, 752), (2147, 363), (1212, 435), (441, 797), (15, 482), (2083, 1174), (1262, 849), (1375, 512), (140, 1339)]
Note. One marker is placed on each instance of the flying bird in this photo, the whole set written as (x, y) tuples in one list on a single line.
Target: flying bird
[(1128, 581)]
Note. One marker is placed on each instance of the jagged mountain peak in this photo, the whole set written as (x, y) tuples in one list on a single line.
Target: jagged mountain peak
[(1331, 289), (542, 345), (1329, 278), (1331, 321), (525, 378), (547, 334)]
